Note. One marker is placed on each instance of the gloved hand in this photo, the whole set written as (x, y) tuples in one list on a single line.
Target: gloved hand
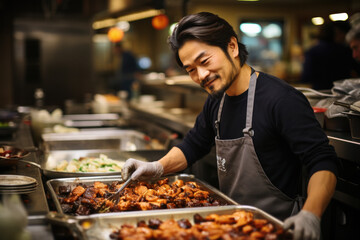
[(306, 225), (141, 170)]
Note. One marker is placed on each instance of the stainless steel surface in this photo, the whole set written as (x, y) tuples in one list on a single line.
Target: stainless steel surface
[(345, 146), (91, 117), (52, 158), (34, 202), (124, 140), (53, 186), (91, 120), (100, 227)]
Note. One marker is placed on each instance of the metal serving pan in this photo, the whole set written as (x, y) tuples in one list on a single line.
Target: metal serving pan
[(52, 158), (100, 227), (116, 139), (54, 184)]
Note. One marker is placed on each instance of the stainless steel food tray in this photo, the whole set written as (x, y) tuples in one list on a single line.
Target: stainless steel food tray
[(123, 140), (54, 184), (100, 227), (52, 158)]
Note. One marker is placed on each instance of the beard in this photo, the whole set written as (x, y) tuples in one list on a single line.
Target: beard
[(220, 92)]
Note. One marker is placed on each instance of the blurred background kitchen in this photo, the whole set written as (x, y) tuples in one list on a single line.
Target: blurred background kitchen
[(61, 62), (64, 47)]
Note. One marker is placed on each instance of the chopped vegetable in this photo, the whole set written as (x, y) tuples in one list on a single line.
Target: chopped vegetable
[(90, 164)]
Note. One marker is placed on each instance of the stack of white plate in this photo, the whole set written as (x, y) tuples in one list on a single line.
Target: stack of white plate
[(17, 184)]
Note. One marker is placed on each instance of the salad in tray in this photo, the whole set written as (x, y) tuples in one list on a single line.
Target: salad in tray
[(90, 164)]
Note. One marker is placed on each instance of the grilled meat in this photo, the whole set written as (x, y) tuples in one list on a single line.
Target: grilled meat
[(85, 200)]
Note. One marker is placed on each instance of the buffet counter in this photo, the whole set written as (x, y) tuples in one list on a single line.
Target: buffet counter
[(35, 202)]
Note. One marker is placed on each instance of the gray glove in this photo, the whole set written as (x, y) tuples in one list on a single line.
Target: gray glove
[(141, 170), (306, 225)]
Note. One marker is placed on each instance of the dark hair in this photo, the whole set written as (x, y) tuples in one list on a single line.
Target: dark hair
[(208, 28), (328, 30)]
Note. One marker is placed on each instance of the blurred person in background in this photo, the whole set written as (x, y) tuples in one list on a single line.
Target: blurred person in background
[(330, 59), (127, 72), (353, 39)]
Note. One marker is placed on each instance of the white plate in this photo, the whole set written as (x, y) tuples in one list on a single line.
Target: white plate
[(16, 180), (21, 187), (21, 191)]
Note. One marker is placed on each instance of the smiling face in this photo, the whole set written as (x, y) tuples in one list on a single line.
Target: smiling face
[(209, 66)]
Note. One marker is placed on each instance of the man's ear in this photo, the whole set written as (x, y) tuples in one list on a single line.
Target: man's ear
[(233, 47)]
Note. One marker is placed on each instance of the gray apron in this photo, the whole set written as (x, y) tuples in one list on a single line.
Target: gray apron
[(241, 176)]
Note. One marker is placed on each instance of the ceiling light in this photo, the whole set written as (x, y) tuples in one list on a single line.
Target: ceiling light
[(250, 29), (123, 25), (272, 31), (338, 17), (140, 15), (109, 22), (317, 20)]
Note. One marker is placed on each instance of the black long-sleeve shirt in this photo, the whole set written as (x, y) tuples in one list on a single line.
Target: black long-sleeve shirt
[(286, 132)]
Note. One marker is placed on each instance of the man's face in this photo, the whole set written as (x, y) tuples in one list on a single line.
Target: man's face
[(208, 66), (355, 46)]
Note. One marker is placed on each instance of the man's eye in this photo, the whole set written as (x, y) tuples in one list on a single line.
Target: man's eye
[(204, 61), (190, 70)]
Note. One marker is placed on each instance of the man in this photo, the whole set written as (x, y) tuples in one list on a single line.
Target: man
[(353, 39), (263, 129), (127, 72), (330, 59)]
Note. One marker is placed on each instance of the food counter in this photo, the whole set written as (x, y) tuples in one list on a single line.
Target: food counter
[(35, 202), (340, 219)]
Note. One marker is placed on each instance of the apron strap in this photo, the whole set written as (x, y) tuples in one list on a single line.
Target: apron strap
[(217, 121), (248, 131)]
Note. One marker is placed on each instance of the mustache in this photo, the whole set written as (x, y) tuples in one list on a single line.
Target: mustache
[(208, 79)]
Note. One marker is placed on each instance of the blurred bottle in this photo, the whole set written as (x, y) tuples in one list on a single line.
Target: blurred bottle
[(39, 97), (123, 95)]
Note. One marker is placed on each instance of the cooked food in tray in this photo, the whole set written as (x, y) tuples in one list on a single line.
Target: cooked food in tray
[(90, 164), (88, 199), (238, 225)]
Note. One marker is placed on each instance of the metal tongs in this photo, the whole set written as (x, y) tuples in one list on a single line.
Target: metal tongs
[(348, 106), (115, 197)]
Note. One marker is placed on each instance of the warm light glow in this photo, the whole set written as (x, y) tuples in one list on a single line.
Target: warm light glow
[(160, 22), (317, 20), (123, 25), (338, 17), (110, 22), (140, 15), (115, 34)]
